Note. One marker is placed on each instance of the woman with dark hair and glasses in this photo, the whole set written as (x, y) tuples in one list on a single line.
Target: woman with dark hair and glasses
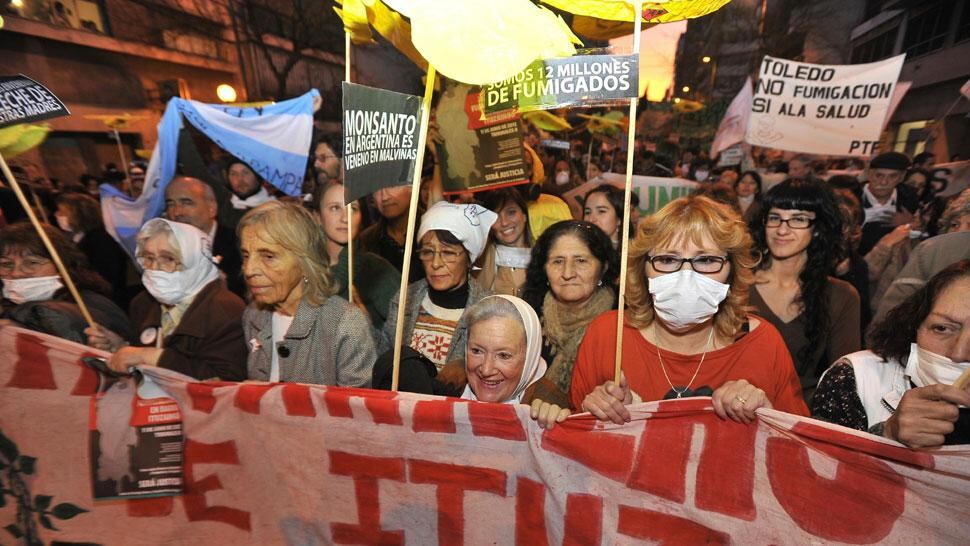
[(905, 387), (799, 233), (569, 283), (686, 329), (451, 237)]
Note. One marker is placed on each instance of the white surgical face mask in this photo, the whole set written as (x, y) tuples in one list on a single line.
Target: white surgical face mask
[(686, 298), (63, 223), (32, 289), (701, 176), (562, 177), (926, 368), (168, 288)]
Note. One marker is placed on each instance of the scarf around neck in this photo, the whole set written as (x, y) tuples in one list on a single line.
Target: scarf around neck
[(564, 329)]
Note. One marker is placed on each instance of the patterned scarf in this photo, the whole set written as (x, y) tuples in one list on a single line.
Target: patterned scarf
[(564, 329)]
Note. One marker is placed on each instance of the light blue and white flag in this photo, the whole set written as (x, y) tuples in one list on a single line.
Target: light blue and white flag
[(274, 140)]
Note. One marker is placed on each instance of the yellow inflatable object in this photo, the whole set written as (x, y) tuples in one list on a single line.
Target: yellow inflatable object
[(387, 22), (18, 139), (546, 211), (609, 124), (545, 121), (480, 42), (658, 11)]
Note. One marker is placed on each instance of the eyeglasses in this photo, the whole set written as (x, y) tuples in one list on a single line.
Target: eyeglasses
[(447, 256), (666, 263), (29, 266), (164, 263), (795, 222)]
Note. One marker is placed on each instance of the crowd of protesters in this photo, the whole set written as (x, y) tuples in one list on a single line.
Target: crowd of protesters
[(836, 290)]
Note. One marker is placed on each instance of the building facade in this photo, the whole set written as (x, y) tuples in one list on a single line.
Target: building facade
[(935, 37)]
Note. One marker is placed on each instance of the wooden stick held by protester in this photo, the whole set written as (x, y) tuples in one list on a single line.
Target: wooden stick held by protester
[(628, 186), (412, 216)]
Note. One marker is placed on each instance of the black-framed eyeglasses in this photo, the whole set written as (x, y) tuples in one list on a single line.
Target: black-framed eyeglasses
[(795, 222), (666, 263)]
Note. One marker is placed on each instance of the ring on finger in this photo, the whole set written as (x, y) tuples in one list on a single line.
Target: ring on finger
[(741, 399)]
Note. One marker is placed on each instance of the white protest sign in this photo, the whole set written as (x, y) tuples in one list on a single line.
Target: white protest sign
[(822, 109)]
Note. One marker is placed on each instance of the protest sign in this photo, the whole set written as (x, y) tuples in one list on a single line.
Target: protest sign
[(475, 153), (23, 100), (734, 123), (380, 133), (654, 192), (952, 178), (554, 83), (822, 109), (286, 463)]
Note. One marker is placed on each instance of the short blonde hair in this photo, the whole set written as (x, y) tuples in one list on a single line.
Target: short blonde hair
[(693, 218), (293, 228)]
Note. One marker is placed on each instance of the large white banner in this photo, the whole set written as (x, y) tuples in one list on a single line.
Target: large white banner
[(822, 109)]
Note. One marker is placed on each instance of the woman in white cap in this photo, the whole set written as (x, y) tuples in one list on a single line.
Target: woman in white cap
[(451, 238), (187, 320), (503, 356)]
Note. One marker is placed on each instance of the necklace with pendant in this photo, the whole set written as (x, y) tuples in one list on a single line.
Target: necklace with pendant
[(680, 392)]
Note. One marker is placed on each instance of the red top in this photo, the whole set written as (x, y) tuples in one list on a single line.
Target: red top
[(760, 357)]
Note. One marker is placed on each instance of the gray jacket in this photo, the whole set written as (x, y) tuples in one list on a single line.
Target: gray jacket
[(416, 292), (326, 345)]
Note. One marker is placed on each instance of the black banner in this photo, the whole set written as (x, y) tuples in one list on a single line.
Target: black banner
[(380, 139), (23, 100), (554, 83)]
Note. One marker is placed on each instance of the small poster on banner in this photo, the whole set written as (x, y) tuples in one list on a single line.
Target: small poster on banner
[(380, 132), (477, 154), (23, 100), (554, 83), (135, 443), (822, 109)]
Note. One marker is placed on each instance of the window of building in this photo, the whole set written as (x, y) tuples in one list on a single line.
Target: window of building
[(927, 27), (963, 29), (80, 14), (876, 48)]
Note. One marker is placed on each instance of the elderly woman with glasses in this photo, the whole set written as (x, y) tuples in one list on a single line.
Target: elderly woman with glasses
[(799, 233), (686, 329), (34, 295), (186, 320), (451, 238)]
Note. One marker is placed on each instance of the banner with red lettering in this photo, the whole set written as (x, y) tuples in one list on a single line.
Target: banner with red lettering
[(298, 464)]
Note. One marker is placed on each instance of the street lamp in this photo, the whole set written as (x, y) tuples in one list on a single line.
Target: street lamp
[(705, 59), (685, 89), (226, 93)]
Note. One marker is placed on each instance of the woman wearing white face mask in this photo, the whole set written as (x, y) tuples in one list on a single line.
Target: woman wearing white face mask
[(187, 320), (34, 295), (686, 331), (902, 387)]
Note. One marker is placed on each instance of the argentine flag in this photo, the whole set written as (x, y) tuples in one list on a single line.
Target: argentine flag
[(274, 140)]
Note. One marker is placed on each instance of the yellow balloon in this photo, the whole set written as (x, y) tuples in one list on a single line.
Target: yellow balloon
[(480, 42), (10, 135), (657, 11), (30, 137), (546, 121)]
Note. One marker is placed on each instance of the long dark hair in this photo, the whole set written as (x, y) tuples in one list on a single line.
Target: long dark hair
[(599, 244), (496, 200), (21, 237), (824, 250), (890, 338)]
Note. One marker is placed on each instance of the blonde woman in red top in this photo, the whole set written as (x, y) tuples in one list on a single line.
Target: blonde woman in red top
[(687, 332)]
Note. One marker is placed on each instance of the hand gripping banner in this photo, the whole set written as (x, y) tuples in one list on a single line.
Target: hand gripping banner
[(298, 464)]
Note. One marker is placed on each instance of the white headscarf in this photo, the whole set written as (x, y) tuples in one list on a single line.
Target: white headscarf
[(534, 367), (198, 267), (469, 224)]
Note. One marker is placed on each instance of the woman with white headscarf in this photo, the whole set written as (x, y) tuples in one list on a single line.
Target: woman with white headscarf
[(451, 238), (503, 356), (186, 320)]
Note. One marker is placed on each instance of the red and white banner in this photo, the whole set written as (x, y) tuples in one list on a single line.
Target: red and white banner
[(299, 464)]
